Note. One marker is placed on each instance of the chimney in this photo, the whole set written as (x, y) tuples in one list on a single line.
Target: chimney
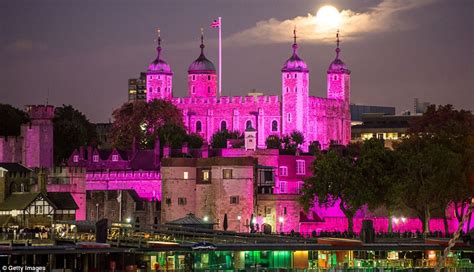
[(156, 152), (166, 151), (81, 152), (185, 148), (205, 150)]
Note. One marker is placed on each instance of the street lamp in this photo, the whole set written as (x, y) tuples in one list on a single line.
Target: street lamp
[(281, 220), (206, 218), (97, 211), (239, 218), (129, 220)]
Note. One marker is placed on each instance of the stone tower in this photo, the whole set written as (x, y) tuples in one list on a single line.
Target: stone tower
[(37, 148), (202, 80), (295, 93), (159, 81)]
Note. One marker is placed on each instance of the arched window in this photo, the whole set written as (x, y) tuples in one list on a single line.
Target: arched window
[(248, 124), (194, 89), (296, 75), (194, 77), (223, 125), (335, 77), (287, 89), (198, 126), (274, 125)]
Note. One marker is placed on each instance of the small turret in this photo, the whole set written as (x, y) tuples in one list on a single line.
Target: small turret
[(202, 80)]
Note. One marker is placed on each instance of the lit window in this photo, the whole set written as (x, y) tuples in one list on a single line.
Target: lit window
[(205, 175), (223, 125), (282, 187), (289, 117), (114, 157), (185, 175), (274, 125), (234, 200), (300, 167), (75, 158), (198, 126), (182, 201), (283, 171), (227, 173), (95, 158)]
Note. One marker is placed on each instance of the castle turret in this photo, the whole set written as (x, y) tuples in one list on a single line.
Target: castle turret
[(202, 80), (295, 92), (159, 82), (338, 78), (37, 148)]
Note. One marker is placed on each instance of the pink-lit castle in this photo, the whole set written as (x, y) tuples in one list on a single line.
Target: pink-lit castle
[(324, 120)]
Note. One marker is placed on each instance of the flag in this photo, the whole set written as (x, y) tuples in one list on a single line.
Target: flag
[(215, 24)]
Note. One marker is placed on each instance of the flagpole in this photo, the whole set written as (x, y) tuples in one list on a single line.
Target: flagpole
[(220, 56)]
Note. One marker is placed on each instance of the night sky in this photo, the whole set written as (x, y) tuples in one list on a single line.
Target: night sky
[(82, 52)]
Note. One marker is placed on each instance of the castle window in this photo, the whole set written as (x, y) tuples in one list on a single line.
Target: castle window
[(194, 77), (198, 126), (185, 175), (208, 77), (182, 201), (248, 124), (296, 89), (335, 77), (194, 89), (296, 75), (300, 167), (274, 125), (283, 171), (234, 200), (208, 89), (151, 90), (289, 117), (159, 89), (287, 75), (95, 158), (282, 187), (227, 173), (159, 77), (223, 125), (287, 89), (75, 158), (114, 157), (168, 201)]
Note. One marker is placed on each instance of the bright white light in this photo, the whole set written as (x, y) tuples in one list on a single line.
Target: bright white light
[(328, 18), (404, 219), (206, 218), (129, 220), (254, 220), (395, 220), (239, 217), (281, 219)]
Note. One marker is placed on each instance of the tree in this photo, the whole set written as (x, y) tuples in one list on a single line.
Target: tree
[(219, 139), (11, 119), (273, 142), (335, 179), (194, 140), (72, 129), (225, 224), (291, 143), (454, 130), (145, 122)]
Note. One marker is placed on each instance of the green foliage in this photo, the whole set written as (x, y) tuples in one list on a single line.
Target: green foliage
[(219, 139), (315, 148), (273, 142), (146, 122), (194, 140), (72, 129), (11, 119), (289, 144)]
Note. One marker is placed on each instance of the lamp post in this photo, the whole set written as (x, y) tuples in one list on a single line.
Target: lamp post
[(97, 211), (239, 218), (281, 220)]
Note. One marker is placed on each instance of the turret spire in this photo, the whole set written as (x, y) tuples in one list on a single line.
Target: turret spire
[(337, 42), (295, 45), (202, 41), (158, 49)]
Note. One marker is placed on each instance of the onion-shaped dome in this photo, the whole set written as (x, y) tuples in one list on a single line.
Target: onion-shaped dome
[(202, 65), (337, 65), (295, 63), (159, 66)]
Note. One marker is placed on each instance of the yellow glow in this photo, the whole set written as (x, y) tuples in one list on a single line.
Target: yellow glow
[(328, 18)]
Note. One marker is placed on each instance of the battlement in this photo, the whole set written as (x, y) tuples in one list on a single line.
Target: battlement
[(6, 139), (263, 99), (66, 171), (40, 111), (122, 175)]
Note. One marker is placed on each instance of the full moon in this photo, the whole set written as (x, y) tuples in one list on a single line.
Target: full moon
[(328, 17)]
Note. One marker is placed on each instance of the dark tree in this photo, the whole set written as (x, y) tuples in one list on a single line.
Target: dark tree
[(11, 120), (145, 122), (219, 139), (194, 140), (273, 142), (225, 223), (72, 129)]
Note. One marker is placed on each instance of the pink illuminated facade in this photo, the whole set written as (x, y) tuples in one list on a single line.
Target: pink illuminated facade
[(324, 120)]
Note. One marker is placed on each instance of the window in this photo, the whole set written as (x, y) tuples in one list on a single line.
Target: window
[(296, 75), (151, 90), (198, 126), (300, 186), (234, 200), (158, 90), (75, 158), (289, 117), (248, 124), (274, 125), (194, 89), (168, 201), (284, 210), (95, 158), (287, 89), (185, 175), (194, 77), (287, 75), (208, 89), (114, 157), (182, 201), (296, 89), (282, 187), (223, 125), (227, 173), (208, 77), (205, 175), (380, 136), (283, 171), (300, 167)]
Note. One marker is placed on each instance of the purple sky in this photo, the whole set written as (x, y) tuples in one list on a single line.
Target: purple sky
[(83, 52)]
